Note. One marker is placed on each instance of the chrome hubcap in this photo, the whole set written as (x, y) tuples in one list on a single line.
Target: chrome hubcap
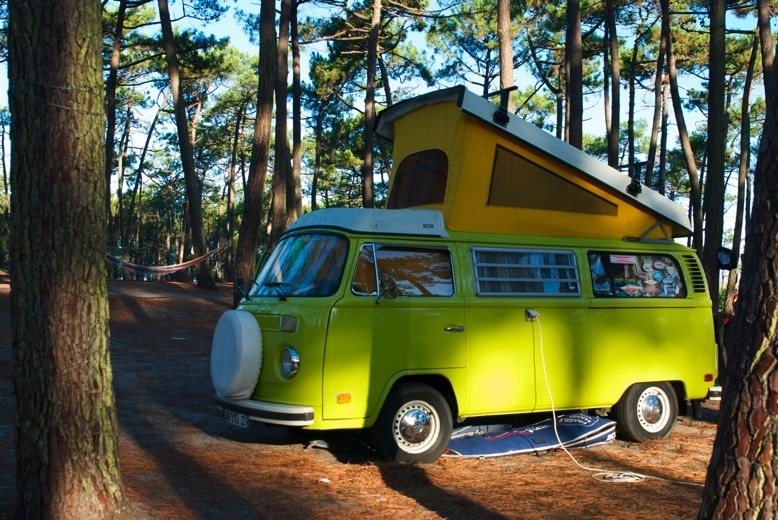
[(416, 427), (652, 410)]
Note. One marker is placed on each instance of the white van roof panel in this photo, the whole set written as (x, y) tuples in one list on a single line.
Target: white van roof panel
[(415, 222)]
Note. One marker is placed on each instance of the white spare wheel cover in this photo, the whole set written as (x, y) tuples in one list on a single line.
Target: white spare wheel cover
[(236, 355)]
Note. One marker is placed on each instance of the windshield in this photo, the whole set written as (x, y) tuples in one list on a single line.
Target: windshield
[(303, 265)]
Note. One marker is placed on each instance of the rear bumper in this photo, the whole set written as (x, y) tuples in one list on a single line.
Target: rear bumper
[(270, 413)]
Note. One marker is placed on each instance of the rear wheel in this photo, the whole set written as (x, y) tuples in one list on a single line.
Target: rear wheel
[(414, 425), (647, 411)]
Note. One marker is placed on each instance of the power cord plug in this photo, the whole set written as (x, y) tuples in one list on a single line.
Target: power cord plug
[(531, 314)]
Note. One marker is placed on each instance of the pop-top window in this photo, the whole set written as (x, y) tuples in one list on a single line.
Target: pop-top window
[(420, 179), (519, 183), (416, 271), (304, 265), (515, 272), (630, 275)]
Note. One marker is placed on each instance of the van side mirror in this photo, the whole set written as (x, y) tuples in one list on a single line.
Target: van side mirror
[(726, 258), (387, 288), (239, 291)]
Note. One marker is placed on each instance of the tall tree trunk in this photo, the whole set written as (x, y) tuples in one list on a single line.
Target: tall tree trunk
[(110, 107), (193, 191), (766, 43), (318, 130), (135, 198), (631, 114), (741, 480), (717, 145), (64, 408), (613, 109), (574, 75), (663, 142), (248, 235), (740, 206), (295, 195), (683, 135), (124, 143), (368, 197), (505, 39), (556, 91), (660, 108), (230, 188), (282, 170)]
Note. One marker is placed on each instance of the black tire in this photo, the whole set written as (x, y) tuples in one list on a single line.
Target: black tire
[(646, 411), (414, 425)]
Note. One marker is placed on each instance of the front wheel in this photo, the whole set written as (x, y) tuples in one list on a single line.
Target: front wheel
[(646, 411), (414, 425)]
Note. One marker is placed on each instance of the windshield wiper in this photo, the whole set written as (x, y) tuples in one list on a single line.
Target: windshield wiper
[(277, 287)]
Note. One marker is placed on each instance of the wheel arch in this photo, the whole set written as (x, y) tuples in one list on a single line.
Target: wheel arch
[(678, 387), (680, 390), (437, 381)]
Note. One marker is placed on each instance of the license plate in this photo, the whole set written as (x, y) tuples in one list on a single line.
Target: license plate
[(237, 419)]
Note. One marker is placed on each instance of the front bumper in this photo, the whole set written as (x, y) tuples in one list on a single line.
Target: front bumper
[(270, 413)]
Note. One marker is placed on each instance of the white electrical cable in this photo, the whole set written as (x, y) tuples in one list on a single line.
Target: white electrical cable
[(603, 475)]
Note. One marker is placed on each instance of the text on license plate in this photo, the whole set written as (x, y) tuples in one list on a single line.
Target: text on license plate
[(237, 419)]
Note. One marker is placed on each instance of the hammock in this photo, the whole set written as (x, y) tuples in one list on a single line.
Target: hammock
[(158, 270)]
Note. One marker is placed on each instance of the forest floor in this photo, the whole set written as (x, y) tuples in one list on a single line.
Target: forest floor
[(179, 460)]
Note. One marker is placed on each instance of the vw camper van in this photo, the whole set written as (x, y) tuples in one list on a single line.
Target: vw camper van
[(511, 274)]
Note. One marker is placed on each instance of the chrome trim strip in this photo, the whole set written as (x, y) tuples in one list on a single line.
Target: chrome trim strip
[(270, 413)]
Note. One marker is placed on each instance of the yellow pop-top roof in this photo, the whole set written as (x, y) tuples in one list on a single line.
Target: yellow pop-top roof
[(490, 171)]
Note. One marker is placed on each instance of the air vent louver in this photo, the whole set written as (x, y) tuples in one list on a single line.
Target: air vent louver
[(696, 275)]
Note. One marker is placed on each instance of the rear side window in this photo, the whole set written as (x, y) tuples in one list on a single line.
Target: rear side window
[(516, 272), (629, 275), (420, 179), (416, 271)]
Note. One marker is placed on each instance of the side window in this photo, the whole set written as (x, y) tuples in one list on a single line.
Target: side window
[(517, 272), (628, 275), (417, 271), (365, 275), (420, 179)]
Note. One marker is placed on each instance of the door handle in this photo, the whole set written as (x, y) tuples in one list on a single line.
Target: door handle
[(454, 328)]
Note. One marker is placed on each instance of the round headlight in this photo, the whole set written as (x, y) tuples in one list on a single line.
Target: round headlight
[(289, 363)]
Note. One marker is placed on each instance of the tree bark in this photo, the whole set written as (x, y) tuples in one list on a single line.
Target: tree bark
[(230, 188), (368, 196), (65, 413), (295, 192), (506, 47), (713, 206), (660, 108), (740, 209), (282, 168), (193, 191), (766, 43), (110, 108), (613, 111), (574, 65), (248, 235), (683, 135), (741, 480)]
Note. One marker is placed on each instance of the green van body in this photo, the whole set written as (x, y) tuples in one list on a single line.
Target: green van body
[(489, 355), (513, 274)]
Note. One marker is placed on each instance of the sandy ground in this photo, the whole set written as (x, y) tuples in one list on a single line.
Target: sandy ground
[(180, 460)]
